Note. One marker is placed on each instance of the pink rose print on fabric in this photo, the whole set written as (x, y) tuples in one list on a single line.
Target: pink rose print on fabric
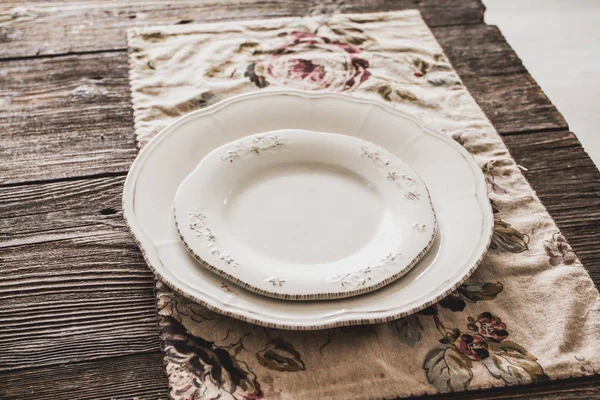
[(312, 62)]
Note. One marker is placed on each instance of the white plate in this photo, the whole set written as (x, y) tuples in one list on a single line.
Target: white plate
[(303, 215), (455, 182)]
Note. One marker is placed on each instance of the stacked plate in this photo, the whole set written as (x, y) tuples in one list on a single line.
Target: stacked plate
[(301, 210)]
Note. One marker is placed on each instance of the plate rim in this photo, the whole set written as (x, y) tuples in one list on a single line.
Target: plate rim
[(181, 288), (340, 294)]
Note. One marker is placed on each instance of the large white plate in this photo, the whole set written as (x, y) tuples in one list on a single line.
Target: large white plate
[(303, 215), (455, 182)]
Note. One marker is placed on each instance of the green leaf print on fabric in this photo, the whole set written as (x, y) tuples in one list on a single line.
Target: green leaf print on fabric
[(408, 329), (513, 364), (252, 74), (405, 94), (153, 37), (280, 355), (447, 369), (385, 91), (422, 67), (217, 70), (480, 291), (508, 238), (471, 293), (448, 365)]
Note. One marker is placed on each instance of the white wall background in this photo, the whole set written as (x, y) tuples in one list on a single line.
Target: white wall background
[(559, 43)]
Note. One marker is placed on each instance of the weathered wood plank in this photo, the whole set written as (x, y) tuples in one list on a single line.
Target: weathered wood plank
[(64, 117), (514, 103), (74, 285), (61, 210), (75, 299), (567, 389), (478, 50), (497, 79), (69, 116), (568, 183), (36, 28), (139, 376)]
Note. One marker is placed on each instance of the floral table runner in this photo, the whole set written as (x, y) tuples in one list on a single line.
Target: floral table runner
[(529, 313)]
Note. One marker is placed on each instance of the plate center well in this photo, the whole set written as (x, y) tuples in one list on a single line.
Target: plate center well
[(304, 212)]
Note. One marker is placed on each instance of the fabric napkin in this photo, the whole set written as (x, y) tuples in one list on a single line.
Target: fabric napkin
[(529, 313)]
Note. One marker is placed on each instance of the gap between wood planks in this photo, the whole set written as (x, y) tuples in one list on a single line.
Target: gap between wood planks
[(58, 55), (65, 179)]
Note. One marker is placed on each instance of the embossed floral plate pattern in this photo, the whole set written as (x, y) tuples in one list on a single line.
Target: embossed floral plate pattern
[(455, 182), (303, 215)]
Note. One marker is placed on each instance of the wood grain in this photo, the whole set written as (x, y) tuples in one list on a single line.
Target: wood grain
[(40, 28), (69, 116), (73, 300), (571, 389), (478, 50), (139, 376), (568, 184), (76, 299), (74, 285), (64, 117), (54, 211), (515, 103), (497, 79)]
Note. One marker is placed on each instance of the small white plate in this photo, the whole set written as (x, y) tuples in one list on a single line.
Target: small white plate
[(303, 215), (455, 182)]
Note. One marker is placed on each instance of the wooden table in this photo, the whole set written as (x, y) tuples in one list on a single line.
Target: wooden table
[(77, 308)]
